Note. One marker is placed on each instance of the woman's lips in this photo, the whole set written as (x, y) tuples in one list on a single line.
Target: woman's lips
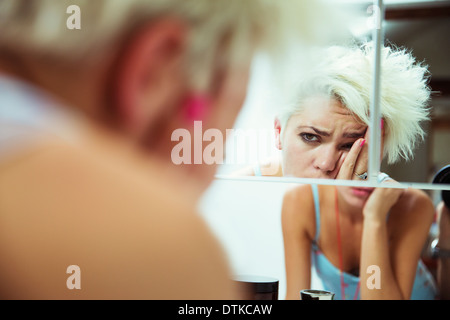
[(362, 192)]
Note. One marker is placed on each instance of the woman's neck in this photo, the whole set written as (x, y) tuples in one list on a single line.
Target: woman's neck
[(353, 213), (79, 89)]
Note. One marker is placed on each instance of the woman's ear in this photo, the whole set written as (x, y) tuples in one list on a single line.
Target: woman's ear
[(148, 75), (277, 129)]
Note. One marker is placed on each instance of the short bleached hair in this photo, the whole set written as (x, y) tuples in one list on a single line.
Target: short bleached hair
[(216, 27), (345, 73)]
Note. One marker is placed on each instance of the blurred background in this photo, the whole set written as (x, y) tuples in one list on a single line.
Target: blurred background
[(425, 28)]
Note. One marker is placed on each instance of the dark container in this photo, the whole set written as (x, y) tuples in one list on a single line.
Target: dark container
[(257, 287), (443, 177), (310, 294)]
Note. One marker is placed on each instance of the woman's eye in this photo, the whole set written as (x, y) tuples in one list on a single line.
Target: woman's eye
[(347, 146), (308, 137)]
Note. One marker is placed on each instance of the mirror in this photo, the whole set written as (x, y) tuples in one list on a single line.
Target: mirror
[(245, 212), (424, 28), (245, 217), (421, 27)]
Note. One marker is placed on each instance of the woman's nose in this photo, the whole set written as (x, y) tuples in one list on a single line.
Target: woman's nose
[(326, 159)]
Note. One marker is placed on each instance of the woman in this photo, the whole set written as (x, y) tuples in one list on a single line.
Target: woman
[(364, 242), (91, 206)]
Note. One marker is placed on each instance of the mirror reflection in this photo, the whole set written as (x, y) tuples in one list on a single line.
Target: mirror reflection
[(324, 111), (325, 237), (341, 238)]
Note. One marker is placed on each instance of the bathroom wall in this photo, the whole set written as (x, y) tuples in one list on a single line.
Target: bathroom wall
[(427, 37), (245, 216)]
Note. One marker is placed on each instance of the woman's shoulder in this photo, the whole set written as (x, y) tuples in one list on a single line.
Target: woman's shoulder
[(93, 200), (307, 194), (267, 168), (414, 203), (299, 194), (411, 200), (271, 167), (299, 208), (416, 199)]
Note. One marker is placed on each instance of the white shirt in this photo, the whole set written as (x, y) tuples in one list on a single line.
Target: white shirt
[(28, 114)]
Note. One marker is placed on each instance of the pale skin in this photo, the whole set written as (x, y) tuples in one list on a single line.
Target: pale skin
[(365, 240), (122, 212), (335, 147), (336, 133)]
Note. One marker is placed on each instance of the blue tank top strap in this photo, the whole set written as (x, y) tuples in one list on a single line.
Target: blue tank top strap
[(315, 191)]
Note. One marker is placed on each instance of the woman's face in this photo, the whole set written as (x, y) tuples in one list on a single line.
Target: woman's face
[(354, 196), (315, 140)]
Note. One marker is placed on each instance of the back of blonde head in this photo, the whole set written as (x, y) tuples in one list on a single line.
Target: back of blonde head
[(38, 27)]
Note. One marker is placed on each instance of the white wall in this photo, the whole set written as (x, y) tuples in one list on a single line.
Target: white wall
[(245, 216)]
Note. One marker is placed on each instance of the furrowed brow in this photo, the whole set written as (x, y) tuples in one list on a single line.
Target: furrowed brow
[(354, 135), (319, 132)]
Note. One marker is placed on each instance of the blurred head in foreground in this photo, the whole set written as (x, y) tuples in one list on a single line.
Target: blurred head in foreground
[(128, 73), (145, 68)]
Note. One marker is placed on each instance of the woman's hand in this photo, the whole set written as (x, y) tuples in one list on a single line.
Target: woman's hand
[(355, 162), (381, 201)]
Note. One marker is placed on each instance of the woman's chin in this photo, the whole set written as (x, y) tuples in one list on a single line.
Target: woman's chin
[(356, 196), (361, 193)]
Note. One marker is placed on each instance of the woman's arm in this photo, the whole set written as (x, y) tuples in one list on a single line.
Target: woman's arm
[(394, 248), (267, 168), (297, 222), (375, 249)]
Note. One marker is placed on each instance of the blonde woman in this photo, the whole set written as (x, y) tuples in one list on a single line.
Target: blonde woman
[(350, 233), (91, 205)]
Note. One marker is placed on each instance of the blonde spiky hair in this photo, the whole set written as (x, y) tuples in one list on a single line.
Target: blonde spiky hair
[(345, 73)]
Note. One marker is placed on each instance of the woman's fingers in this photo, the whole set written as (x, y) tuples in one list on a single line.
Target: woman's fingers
[(362, 163), (348, 166), (382, 199)]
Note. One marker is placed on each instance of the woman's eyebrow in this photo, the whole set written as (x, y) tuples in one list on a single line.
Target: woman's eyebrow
[(351, 135), (355, 135), (319, 132)]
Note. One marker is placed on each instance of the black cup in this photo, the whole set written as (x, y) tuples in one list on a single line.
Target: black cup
[(443, 177), (309, 294), (257, 287)]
